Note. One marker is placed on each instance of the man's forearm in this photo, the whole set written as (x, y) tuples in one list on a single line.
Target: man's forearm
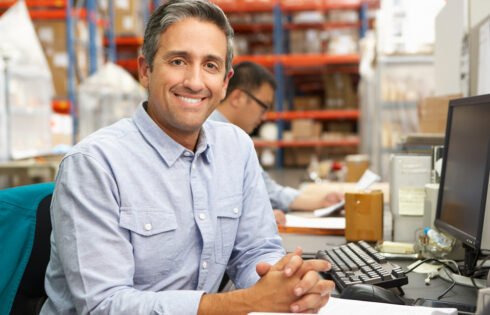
[(234, 302)]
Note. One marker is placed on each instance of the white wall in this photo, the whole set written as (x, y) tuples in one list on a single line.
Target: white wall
[(450, 26), (479, 9)]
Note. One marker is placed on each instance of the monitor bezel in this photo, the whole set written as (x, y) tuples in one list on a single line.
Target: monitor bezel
[(473, 241)]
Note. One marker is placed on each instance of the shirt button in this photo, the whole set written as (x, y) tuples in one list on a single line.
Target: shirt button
[(235, 210), (187, 153), (193, 166), (148, 227), (202, 216), (204, 265)]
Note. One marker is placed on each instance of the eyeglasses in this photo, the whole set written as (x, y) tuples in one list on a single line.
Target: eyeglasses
[(265, 106)]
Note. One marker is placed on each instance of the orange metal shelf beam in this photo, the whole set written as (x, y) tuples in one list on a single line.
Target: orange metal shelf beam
[(299, 60), (130, 64), (307, 143), (252, 27), (238, 6), (126, 41), (36, 3), (315, 114), (309, 5), (321, 26), (55, 14)]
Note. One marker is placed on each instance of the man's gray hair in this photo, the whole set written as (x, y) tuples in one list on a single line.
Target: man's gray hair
[(174, 11)]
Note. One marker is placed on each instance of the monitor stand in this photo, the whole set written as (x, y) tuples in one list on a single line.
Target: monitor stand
[(470, 259)]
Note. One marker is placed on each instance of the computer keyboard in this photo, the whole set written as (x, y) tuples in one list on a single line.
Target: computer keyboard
[(361, 263)]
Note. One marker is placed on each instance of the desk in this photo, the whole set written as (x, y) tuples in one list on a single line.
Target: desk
[(23, 172)]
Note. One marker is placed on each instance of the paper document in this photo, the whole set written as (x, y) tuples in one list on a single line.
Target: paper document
[(315, 223), (367, 179), (411, 201), (348, 307)]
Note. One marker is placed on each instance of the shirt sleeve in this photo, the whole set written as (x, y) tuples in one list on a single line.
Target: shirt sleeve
[(280, 196), (95, 252), (257, 237)]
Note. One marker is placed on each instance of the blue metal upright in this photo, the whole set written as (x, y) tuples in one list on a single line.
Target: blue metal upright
[(92, 35), (112, 52), (71, 68), (279, 74), (364, 19)]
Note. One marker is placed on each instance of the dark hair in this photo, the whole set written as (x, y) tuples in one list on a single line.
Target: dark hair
[(249, 76), (174, 11)]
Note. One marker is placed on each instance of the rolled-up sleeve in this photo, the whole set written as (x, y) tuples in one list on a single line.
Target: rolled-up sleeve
[(95, 253)]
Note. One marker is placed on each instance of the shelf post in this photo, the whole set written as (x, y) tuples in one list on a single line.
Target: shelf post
[(363, 10), (111, 53), (279, 74), (71, 69), (92, 35)]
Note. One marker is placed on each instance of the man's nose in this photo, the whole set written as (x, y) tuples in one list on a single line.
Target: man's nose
[(193, 79)]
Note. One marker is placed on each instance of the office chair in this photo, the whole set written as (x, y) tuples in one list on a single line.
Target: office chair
[(25, 228)]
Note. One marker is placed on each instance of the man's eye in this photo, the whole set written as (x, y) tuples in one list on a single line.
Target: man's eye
[(177, 62), (212, 66)]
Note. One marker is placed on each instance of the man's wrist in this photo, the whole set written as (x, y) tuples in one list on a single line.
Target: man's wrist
[(234, 302)]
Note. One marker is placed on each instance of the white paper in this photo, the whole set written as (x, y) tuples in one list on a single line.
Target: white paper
[(316, 223), (338, 306), (484, 59), (366, 181), (411, 201)]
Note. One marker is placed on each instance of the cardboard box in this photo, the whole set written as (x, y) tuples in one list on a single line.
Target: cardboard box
[(364, 216), (306, 129), (128, 18), (433, 113), (52, 35), (307, 102)]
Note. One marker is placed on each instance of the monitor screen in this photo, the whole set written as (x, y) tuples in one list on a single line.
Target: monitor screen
[(464, 179)]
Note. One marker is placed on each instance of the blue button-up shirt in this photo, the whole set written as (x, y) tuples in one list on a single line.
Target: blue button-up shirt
[(141, 225), (280, 196)]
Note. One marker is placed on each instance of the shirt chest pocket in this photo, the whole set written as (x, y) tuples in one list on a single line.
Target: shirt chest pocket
[(229, 211), (154, 237)]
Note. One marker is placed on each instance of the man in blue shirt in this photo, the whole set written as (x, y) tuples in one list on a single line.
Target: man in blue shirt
[(149, 213), (250, 94)]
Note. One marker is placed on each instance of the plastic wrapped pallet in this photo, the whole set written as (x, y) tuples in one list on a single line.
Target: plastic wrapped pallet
[(26, 113), (107, 96)]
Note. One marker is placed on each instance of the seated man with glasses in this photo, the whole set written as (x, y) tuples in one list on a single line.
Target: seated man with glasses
[(250, 94)]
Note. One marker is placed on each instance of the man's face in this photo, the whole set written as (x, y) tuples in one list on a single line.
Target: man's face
[(188, 77), (254, 109)]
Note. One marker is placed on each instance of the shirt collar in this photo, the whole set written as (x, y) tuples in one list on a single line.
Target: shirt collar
[(216, 115), (167, 148)]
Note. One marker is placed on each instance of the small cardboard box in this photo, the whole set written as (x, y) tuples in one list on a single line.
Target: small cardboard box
[(364, 216), (433, 113), (128, 18), (306, 129)]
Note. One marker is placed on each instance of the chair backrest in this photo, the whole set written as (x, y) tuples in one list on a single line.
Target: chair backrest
[(25, 228)]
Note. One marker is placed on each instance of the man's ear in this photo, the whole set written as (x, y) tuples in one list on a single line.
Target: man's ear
[(143, 71), (225, 84), (236, 98)]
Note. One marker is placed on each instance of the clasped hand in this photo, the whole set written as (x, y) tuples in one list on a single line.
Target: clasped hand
[(293, 284)]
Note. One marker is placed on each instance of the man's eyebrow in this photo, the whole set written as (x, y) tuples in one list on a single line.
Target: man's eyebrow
[(176, 53), (186, 55)]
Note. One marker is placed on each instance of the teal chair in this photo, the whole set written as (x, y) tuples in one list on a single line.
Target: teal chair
[(25, 228)]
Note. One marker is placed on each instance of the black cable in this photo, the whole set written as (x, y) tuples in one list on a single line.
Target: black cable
[(430, 260), (449, 288)]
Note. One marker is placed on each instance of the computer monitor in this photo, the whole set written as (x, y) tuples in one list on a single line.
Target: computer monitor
[(463, 207)]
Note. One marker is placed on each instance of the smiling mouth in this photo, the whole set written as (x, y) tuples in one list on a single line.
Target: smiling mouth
[(190, 100)]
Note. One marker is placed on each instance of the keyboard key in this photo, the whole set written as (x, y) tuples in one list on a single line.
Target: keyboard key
[(361, 263)]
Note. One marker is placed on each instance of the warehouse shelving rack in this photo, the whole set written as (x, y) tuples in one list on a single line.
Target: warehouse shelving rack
[(286, 65), (64, 10)]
